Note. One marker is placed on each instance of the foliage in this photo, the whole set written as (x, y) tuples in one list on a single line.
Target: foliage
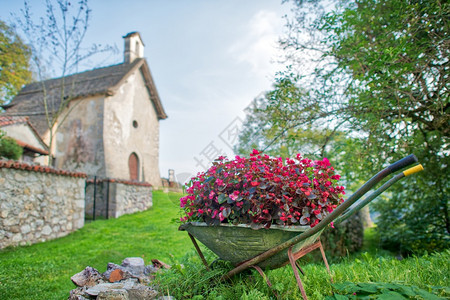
[(379, 290), (14, 63), (374, 78), (261, 191), (9, 147), (347, 237), (397, 56)]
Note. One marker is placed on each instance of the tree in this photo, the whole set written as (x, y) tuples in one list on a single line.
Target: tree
[(14, 63), (56, 44), (381, 70)]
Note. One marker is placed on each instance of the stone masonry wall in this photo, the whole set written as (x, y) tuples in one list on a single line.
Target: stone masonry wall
[(131, 198), (38, 203)]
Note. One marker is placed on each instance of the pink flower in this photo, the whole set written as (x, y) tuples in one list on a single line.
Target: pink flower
[(332, 224), (254, 152), (254, 183)]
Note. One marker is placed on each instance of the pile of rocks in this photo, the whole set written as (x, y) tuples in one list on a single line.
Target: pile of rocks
[(128, 281)]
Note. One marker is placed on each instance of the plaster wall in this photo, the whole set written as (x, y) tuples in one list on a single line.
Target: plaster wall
[(131, 104), (78, 141), (24, 133)]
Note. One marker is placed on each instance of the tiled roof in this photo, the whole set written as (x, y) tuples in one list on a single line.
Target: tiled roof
[(31, 147), (13, 164), (102, 81), (9, 120)]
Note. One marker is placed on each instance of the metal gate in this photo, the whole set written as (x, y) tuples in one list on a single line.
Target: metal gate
[(96, 198)]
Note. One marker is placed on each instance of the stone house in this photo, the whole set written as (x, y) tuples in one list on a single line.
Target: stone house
[(110, 127)]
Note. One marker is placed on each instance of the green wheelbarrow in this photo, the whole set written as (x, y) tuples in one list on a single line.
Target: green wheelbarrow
[(278, 246)]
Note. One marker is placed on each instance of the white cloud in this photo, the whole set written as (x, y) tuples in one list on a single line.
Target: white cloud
[(258, 46)]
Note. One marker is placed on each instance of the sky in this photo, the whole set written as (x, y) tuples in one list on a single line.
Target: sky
[(209, 59)]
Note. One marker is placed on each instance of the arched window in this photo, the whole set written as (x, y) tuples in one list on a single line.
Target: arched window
[(133, 166)]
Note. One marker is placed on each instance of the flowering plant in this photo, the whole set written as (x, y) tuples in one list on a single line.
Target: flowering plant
[(261, 191)]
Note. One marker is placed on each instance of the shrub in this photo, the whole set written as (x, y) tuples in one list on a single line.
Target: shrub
[(9, 147)]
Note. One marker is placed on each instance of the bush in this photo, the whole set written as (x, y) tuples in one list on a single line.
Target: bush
[(345, 238), (9, 147)]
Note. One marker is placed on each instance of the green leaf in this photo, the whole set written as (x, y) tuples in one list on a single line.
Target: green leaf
[(391, 296), (222, 198)]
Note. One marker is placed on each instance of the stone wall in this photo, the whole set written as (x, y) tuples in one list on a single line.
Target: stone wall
[(131, 198), (38, 203), (114, 198)]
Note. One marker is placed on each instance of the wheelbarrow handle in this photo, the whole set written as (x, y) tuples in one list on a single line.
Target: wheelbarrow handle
[(354, 209), (402, 163)]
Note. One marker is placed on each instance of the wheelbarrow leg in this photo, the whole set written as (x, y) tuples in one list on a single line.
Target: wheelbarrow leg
[(299, 268), (199, 251), (325, 261), (261, 272), (292, 260)]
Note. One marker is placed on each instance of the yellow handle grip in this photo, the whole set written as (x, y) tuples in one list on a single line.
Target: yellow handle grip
[(413, 170)]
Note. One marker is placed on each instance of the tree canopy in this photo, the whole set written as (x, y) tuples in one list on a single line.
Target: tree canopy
[(14, 63), (374, 76)]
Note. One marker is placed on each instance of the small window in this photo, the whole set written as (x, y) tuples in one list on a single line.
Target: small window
[(135, 124), (137, 49)]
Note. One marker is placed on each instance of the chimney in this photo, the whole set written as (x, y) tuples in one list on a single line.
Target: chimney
[(134, 47)]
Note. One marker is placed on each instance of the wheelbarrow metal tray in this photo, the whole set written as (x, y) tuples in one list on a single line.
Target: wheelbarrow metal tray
[(239, 243)]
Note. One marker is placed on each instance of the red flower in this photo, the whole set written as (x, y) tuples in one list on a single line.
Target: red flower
[(227, 188)]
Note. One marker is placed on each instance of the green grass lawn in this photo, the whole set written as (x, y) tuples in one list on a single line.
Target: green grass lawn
[(43, 271)]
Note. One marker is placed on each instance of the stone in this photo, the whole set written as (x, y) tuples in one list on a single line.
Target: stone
[(159, 264), (26, 191), (11, 221), (103, 287), (120, 294), (88, 277), (150, 270), (78, 294), (4, 214), (140, 292), (46, 230), (116, 275), (25, 229), (14, 229), (135, 265), (17, 237)]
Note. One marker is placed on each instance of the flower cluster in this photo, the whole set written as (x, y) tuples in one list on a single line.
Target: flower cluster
[(261, 191)]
